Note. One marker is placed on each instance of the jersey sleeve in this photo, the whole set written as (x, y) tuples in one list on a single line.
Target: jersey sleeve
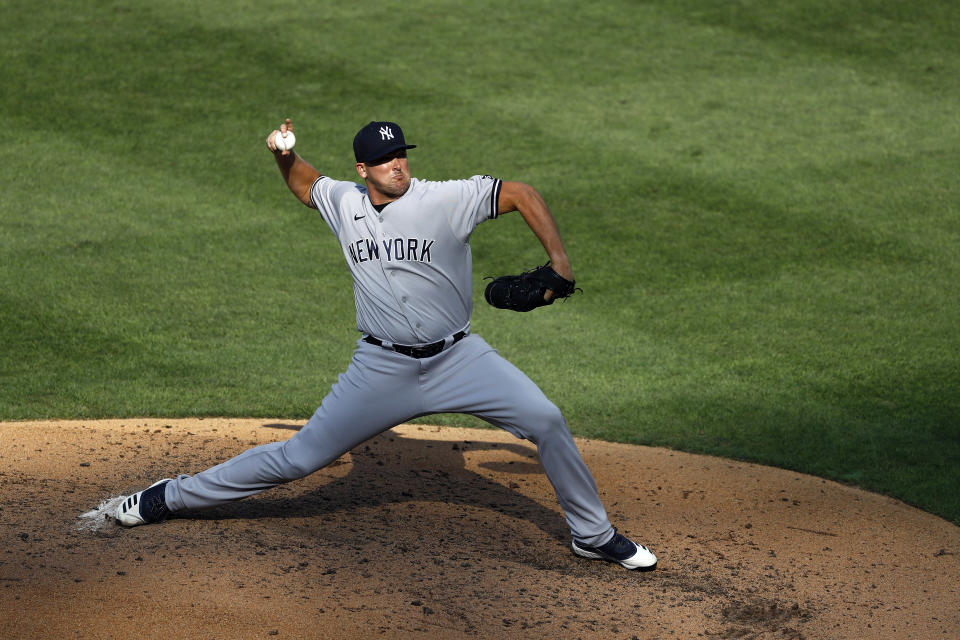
[(329, 196), (476, 200)]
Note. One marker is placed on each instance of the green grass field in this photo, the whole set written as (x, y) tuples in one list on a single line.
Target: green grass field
[(761, 201)]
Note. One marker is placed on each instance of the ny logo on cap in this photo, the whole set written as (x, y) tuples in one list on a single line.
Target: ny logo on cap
[(385, 133)]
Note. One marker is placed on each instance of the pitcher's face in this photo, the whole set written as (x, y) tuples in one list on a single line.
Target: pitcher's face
[(387, 178)]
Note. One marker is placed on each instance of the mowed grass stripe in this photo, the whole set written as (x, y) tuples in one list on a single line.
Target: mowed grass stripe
[(760, 200)]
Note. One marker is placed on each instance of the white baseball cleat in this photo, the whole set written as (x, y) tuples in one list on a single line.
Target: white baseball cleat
[(144, 507), (620, 549)]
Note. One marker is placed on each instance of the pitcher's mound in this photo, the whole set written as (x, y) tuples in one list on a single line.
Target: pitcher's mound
[(450, 533)]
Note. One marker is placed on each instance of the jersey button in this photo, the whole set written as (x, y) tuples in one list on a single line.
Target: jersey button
[(404, 299)]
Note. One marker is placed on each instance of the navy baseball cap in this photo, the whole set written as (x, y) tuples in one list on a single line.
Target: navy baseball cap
[(377, 139)]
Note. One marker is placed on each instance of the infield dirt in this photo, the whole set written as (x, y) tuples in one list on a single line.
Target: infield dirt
[(451, 533)]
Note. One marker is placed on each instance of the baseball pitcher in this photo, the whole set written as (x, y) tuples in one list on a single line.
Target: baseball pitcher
[(406, 242)]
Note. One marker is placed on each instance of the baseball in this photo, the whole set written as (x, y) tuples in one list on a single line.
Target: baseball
[(285, 141)]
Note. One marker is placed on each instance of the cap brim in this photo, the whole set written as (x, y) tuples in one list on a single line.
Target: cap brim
[(389, 151)]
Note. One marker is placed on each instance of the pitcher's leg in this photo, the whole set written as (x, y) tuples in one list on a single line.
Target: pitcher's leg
[(541, 422), (376, 393), (480, 382)]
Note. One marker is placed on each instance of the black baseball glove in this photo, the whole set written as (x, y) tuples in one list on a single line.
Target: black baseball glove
[(525, 291)]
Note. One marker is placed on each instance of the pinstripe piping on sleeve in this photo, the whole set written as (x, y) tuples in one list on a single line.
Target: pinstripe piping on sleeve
[(495, 200), (312, 185)]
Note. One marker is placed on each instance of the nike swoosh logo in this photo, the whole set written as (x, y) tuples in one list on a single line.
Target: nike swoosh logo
[(356, 217)]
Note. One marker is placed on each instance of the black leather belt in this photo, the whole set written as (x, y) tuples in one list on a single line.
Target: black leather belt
[(425, 351)]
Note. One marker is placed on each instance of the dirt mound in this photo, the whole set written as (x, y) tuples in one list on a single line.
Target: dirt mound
[(451, 533)]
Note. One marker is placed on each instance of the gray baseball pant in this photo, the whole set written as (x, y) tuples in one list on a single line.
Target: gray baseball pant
[(381, 389)]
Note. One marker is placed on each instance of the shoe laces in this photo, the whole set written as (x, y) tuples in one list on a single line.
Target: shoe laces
[(619, 545)]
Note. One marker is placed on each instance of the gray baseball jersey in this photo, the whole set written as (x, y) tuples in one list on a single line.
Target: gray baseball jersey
[(411, 263)]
